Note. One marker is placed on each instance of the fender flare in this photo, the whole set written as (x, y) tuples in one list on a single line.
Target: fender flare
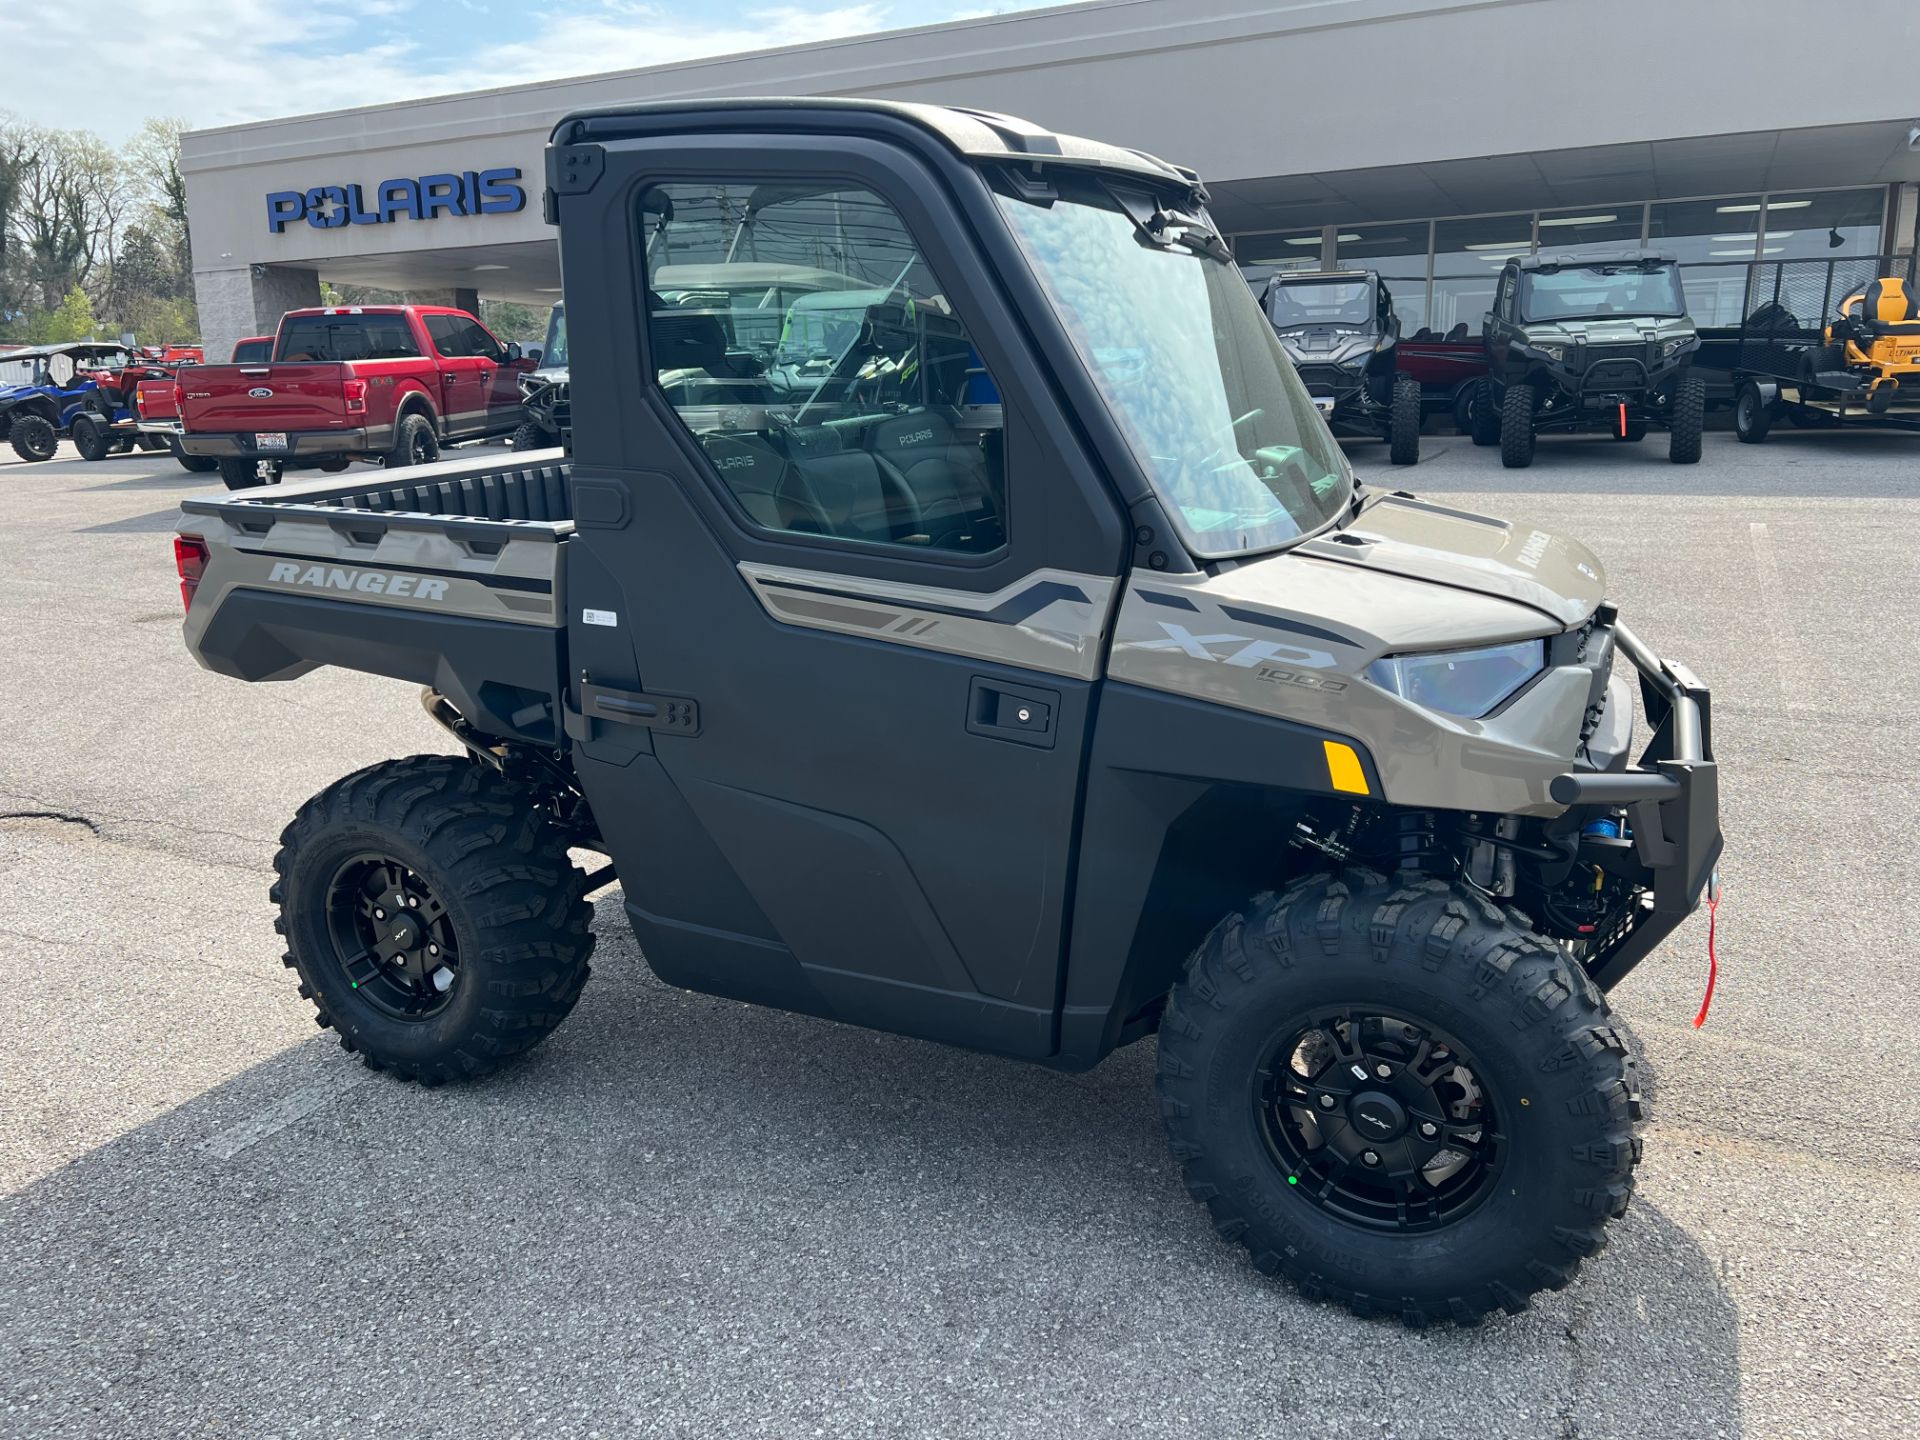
[(1769, 391), (415, 398)]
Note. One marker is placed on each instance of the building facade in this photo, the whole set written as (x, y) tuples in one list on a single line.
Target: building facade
[(1427, 139)]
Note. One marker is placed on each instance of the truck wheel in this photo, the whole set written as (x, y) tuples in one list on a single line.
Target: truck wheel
[(1403, 431), (414, 442), (238, 474), (433, 916), (88, 438), (33, 437), (194, 464), (1751, 418), (1516, 427), (528, 436), (1689, 420), (1398, 1096), (1483, 415)]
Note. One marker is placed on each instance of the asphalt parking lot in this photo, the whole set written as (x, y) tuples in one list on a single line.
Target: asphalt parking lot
[(687, 1217)]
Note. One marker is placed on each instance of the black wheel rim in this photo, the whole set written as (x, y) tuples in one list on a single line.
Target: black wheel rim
[(1746, 412), (422, 447), (392, 937), (1382, 1121)]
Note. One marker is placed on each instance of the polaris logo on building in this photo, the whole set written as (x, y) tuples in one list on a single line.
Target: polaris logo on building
[(327, 207), (365, 582)]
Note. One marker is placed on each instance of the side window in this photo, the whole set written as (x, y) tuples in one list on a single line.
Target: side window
[(809, 348), (473, 339), (440, 328), (1503, 303)]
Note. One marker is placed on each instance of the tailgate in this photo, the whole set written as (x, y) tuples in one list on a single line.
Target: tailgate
[(276, 395), (157, 400)]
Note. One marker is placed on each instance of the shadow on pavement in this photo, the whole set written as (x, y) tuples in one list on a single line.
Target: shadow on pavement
[(688, 1216)]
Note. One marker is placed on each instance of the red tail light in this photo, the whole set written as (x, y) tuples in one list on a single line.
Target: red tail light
[(190, 559), (356, 393)]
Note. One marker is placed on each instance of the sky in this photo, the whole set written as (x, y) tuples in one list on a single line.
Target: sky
[(223, 62)]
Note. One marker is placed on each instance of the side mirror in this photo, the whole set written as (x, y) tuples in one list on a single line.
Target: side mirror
[(513, 352)]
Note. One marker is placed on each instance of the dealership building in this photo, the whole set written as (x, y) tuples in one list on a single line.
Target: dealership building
[(1425, 139)]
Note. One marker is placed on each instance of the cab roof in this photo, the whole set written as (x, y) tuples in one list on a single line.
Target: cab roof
[(976, 134), (1581, 262)]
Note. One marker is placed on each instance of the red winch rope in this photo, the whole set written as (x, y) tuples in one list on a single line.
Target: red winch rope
[(1623, 419), (1713, 962)]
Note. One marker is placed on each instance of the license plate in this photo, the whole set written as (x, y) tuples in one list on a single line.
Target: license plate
[(271, 440)]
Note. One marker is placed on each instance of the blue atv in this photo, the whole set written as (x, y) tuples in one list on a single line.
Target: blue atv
[(82, 390)]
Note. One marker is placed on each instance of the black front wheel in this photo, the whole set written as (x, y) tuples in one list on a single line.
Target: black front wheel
[(1482, 420), (433, 916), (33, 437), (1516, 427), (1403, 425), (1398, 1096), (1689, 420)]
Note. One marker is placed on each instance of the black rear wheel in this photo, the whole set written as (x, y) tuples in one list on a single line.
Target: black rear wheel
[(414, 442), (1398, 1096), (433, 915), (33, 437), (1751, 417), (237, 474), (1403, 426), (194, 464), (1516, 427), (89, 438)]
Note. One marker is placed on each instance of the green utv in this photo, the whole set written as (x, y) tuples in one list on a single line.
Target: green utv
[(1590, 345), (1025, 670)]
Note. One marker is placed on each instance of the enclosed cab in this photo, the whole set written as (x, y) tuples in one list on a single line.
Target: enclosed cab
[(1001, 652), (1340, 331), (1590, 345)]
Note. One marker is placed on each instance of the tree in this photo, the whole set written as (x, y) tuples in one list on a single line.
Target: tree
[(71, 319)]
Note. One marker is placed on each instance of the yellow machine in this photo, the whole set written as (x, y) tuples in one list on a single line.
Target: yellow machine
[(1878, 331)]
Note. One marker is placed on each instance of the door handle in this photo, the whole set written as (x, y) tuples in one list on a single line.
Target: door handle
[(1017, 713)]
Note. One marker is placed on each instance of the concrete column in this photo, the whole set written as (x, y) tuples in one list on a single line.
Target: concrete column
[(248, 301)]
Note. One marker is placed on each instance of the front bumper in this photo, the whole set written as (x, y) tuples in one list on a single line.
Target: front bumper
[(300, 444), (1672, 799)]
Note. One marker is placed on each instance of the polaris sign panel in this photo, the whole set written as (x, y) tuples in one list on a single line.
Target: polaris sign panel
[(470, 192)]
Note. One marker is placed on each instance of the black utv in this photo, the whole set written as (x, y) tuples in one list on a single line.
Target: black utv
[(546, 396), (1339, 330), (1596, 344)]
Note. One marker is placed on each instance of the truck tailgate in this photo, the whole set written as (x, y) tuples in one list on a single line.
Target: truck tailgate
[(449, 575), (276, 395)]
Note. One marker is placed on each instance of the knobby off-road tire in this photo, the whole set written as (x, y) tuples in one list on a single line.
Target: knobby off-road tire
[(1542, 1072), (528, 436), (1689, 421), (1516, 427), (1484, 416), (239, 474), (414, 442), (1403, 428), (33, 437), (423, 866)]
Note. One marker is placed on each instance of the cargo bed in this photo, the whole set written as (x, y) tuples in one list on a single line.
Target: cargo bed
[(449, 575)]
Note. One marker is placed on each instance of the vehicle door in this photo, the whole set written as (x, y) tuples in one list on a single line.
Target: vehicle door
[(835, 651), (466, 376), (501, 374), (1499, 323)]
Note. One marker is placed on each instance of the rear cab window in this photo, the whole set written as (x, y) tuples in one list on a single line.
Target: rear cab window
[(347, 337)]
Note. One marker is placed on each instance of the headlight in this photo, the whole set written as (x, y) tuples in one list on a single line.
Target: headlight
[(1548, 350), (1674, 346), (1461, 682)]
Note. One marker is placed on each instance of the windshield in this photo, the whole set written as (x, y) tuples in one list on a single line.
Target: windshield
[(1320, 302), (1191, 370), (554, 356), (1590, 292)]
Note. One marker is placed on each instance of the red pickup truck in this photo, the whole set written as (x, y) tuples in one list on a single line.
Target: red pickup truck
[(391, 383)]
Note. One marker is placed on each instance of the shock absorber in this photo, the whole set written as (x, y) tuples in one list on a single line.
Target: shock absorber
[(1416, 851)]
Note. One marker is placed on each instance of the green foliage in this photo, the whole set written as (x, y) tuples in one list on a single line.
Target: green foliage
[(71, 319)]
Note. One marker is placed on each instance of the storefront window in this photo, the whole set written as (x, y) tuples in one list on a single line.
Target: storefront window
[(1467, 258), (1705, 230), (1825, 224), (1279, 250), (1593, 230), (1399, 254)]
